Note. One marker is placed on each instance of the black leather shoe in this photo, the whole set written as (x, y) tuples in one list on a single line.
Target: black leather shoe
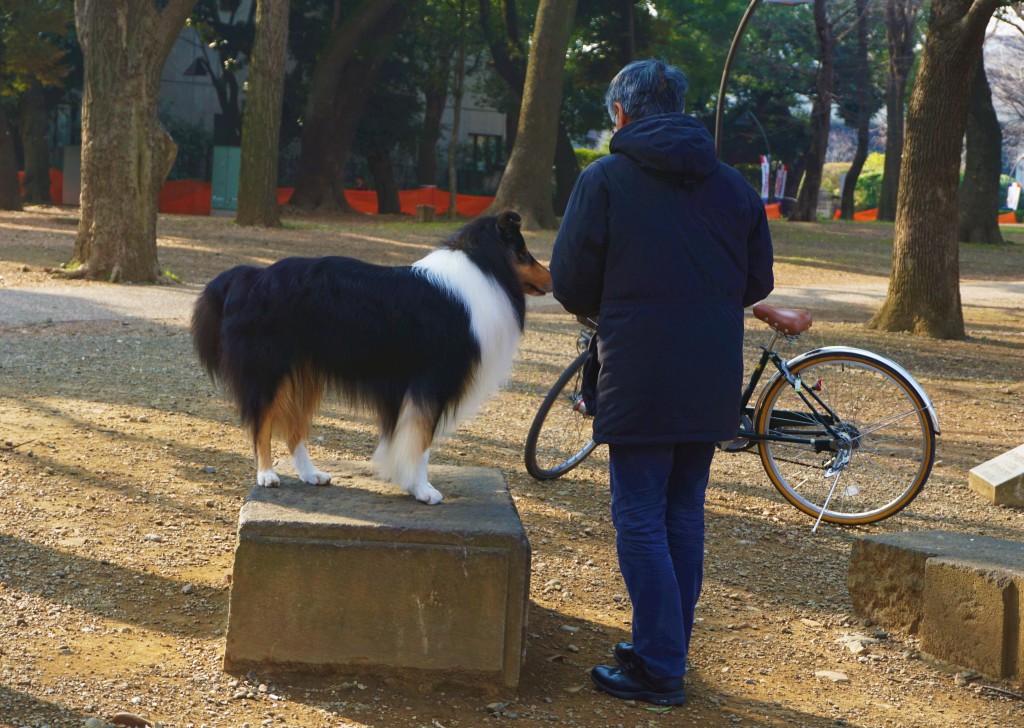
[(625, 655), (634, 684)]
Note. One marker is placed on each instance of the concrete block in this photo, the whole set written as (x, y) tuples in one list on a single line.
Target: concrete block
[(364, 579), (961, 592), (970, 616), (1001, 479)]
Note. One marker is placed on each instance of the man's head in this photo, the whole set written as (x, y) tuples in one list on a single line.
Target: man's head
[(645, 88)]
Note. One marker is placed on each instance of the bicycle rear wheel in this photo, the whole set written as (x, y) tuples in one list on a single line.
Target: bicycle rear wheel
[(883, 449), (560, 436)]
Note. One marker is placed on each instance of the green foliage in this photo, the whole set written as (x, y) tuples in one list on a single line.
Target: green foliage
[(585, 156), (195, 148), (867, 191), (30, 33)]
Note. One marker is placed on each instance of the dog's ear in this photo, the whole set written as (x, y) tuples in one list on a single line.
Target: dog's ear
[(509, 222)]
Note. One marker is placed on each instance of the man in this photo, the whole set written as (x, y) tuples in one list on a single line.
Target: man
[(667, 246)]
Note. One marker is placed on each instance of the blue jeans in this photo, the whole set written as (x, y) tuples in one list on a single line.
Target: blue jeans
[(657, 503)]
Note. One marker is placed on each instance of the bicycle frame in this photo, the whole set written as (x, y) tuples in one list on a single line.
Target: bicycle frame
[(812, 417)]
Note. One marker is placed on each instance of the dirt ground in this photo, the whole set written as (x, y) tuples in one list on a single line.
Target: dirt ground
[(122, 470)]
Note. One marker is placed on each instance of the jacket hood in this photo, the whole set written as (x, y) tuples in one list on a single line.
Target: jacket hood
[(671, 144)]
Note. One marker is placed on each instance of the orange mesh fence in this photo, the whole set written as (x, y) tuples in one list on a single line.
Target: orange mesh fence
[(366, 201), (860, 215), (192, 197), (56, 186), (185, 197)]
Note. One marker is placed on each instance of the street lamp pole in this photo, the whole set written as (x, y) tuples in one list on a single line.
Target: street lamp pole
[(733, 47), (720, 104)]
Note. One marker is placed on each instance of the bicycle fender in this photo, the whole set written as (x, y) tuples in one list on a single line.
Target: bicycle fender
[(918, 389)]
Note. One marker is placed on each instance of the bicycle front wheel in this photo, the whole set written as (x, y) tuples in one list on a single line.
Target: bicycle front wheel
[(560, 436), (867, 445)]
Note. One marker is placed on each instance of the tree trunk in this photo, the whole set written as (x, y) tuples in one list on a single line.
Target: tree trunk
[(426, 153), (567, 169), (457, 94), (261, 125), (34, 144), (979, 201), (924, 287), (863, 114), (900, 26), (806, 207), (314, 185), (383, 172), (526, 184), (354, 90), (508, 55), (10, 194), (627, 31), (126, 153)]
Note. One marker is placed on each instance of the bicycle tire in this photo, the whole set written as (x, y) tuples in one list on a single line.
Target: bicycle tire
[(889, 437), (560, 436)]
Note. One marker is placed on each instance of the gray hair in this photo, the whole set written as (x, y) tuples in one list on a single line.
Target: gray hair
[(645, 88)]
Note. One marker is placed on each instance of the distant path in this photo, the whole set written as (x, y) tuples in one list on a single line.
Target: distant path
[(173, 303)]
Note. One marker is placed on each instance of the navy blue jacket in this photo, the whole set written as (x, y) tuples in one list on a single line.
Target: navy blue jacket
[(669, 246)]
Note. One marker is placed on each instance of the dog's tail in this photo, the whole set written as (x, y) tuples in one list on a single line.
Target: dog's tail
[(208, 319)]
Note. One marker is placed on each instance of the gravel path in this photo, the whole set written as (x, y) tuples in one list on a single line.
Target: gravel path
[(102, 302)]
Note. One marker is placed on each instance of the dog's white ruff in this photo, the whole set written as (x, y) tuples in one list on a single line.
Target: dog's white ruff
[(495, 326)]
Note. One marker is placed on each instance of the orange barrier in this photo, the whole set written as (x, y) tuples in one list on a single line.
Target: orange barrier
[(1008, 218), (56, 185), (192, 197), (185, 197), (366, 200), (773, 210), (860, 215)]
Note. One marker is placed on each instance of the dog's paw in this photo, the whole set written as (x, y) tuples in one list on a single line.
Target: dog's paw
[(316, 477), (267, 478), (426, 493)]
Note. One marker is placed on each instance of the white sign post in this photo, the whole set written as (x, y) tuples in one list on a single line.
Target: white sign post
[(1013, 195)]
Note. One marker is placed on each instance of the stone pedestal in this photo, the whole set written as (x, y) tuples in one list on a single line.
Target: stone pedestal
[(360, 578), (1001, 479), (961, 593)]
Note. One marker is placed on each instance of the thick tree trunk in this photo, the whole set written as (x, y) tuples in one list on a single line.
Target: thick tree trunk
[(383, 173), (426, 153), (126, 153), (509, 57), (806, 207), (924, 287), (526, 184), (978, 202), (627, 31), (900, 27), (34, 145), (315, 184), (567, 169), (261, 126), (10, 194), (354, 90)]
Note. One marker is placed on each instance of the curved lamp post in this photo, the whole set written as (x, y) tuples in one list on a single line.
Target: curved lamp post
[(720, 105)]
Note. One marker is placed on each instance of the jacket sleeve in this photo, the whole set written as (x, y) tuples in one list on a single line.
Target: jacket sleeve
[(578, 258), (760, 258)]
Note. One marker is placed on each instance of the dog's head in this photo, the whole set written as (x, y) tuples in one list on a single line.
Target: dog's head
[(535, 278)]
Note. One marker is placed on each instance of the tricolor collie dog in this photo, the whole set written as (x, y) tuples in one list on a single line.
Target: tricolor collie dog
[(419, 346)]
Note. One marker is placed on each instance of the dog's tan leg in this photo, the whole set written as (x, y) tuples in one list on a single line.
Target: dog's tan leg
[(297, 401), (264, 431)]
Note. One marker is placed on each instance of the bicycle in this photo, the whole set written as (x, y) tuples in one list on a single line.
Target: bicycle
[(830, 415)]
